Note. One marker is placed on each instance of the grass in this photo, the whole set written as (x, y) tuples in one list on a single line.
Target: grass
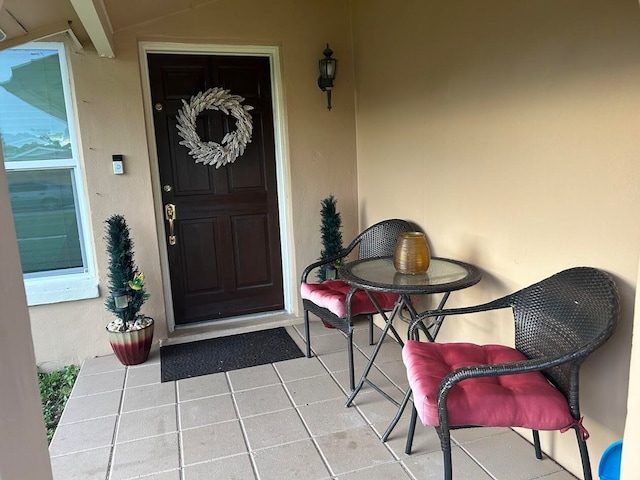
[(55, 388)]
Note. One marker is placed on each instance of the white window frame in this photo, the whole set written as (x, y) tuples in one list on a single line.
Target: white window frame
[(60, 286)]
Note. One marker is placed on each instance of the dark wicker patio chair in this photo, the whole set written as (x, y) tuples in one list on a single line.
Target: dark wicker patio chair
[(559, 322), (335, 302)]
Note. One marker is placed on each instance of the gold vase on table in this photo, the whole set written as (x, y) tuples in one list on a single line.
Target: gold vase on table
[(411, 255)]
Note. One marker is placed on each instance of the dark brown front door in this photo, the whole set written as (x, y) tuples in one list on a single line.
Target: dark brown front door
[(226, 259)]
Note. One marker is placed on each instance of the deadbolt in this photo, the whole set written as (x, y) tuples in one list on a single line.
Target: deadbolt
[(167, 188)]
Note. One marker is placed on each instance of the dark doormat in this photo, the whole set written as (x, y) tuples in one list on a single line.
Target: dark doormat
[(226, 353)]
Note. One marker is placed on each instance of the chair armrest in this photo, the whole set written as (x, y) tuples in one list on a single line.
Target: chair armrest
[(497, 304), (324, 261)]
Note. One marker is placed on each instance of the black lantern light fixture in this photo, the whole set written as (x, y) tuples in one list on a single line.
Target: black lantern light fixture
[(327, 73), (120, 300)]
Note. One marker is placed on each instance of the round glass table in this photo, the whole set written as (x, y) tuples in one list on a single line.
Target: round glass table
[(379, 275)]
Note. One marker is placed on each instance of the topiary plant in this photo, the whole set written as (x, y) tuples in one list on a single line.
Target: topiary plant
[(123, 276), (330, 233)]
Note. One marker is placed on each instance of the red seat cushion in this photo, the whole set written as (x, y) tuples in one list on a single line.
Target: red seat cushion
[(332, 295), (524, 400)]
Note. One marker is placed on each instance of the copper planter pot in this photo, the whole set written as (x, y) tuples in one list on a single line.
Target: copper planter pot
[(411, 255), (132, 348)]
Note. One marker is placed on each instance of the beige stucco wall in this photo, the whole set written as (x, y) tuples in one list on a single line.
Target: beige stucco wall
[(630, 459), (319, 155), (508, 131)]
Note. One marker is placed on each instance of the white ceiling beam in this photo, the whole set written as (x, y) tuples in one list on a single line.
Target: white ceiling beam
[(96, 22)]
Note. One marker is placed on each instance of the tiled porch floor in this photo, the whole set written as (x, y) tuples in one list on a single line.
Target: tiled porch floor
[(280, 421)]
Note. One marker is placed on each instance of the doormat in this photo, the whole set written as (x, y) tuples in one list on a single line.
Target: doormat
[(222, 354)]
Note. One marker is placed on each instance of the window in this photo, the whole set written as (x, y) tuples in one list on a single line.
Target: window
[(37, 127)]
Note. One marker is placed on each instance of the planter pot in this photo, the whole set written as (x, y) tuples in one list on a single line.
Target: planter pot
[(132, 348)]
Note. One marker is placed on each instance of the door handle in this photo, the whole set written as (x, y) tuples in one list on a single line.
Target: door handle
[(170, 216)]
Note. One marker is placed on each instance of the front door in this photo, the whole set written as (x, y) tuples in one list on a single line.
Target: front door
[(225, 258)]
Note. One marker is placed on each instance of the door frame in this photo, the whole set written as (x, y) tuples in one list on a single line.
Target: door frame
[(283, 177)]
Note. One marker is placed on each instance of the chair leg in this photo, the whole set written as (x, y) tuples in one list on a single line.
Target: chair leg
[(448, 470), (584, 455), (411, 432), (536, 444), (307, 337), (445, 444), (371, 330), (352, 377)]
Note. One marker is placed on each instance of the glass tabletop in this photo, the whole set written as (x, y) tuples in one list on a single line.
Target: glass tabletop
[(379, 274)]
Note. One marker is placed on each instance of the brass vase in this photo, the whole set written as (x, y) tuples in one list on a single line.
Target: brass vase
[(411, 254)]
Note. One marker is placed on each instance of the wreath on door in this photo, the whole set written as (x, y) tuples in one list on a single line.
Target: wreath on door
[(233, 144)]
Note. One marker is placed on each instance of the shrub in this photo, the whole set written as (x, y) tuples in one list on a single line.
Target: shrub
[(55, 388)]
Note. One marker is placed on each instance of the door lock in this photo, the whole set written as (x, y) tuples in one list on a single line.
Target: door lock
[(170, 216)]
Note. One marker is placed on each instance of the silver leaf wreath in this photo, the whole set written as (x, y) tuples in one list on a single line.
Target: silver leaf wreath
[(233, 144)]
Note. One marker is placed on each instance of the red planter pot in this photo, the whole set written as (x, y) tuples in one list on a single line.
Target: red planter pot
[(132, 348)]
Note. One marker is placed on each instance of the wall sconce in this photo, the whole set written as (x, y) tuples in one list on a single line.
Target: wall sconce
[(327, 73)]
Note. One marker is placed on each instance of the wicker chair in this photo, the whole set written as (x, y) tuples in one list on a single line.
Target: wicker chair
[(335, 302), (559, 322)]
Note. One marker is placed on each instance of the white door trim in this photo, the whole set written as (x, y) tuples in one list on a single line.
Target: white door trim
[(282, 158)]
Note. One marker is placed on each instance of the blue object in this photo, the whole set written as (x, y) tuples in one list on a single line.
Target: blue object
[(609, 468)]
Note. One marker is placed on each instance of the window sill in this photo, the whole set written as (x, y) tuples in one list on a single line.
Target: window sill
[(42, 291)]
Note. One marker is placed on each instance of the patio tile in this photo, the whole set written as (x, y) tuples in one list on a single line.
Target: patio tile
[(107, 363), (99, 383), (153, 358), (396, 372), (339, 361), (144, 374), (333, 342), (204, 411), (314, 389), (253, 377), (170, 475), (425, 439), (78, 409), (296, 337), (147, 423), (79, 436), (351, 450), (382, 382), (203, 386), (465, 435), (146, 396), (376, 408), (299, 368), (207, 440), (387, 471), (212, 441), (562, 475), (390, 351), (274, 428), (429, 466), (262, 400), (160, 454), (87, 465), (516, 461), (342, 379), (299, 460), (330, 416), (232, 468), (316, 327), (361, 333)]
